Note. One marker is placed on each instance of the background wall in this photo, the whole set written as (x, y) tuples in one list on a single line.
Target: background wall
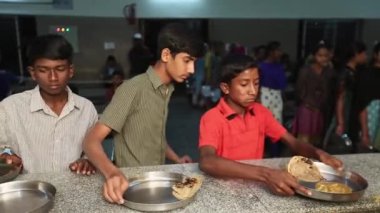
[(256, 32), (295, 9), (92, 33), (371, 32), (250, 22)]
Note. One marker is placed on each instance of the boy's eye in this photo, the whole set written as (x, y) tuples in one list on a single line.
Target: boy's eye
[(60, 68), (42, 69)]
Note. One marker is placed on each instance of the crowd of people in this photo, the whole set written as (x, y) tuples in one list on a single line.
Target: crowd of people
[(52, 129), (336, 96)]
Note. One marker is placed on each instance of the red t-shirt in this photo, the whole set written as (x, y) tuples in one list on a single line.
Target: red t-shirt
[(236, 137)]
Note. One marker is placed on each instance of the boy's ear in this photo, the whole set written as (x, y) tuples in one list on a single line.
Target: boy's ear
[(165, 55), (31, 72), (225, 88), (71, 70)]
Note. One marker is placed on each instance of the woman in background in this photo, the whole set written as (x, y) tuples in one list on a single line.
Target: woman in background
[(273, 82), (313, 90), (346, 110), (368, 102)]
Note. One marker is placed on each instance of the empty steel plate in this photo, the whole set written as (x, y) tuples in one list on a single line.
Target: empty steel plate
[(26, 196)]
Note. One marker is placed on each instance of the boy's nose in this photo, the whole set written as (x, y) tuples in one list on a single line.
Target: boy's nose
[(53, 75), (252, 90), (191, 68)]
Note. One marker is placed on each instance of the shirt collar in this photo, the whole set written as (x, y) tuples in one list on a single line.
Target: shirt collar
[(38, 103), (228, 112), (156, 81)]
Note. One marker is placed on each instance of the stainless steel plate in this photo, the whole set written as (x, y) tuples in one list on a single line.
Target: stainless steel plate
[(152, 191), (351, 179), (8, 172), (26, 196)]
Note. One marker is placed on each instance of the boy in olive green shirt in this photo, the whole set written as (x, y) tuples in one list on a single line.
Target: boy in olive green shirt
[(138, 112)]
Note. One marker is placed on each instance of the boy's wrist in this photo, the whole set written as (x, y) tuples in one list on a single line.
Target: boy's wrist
[(320, 154), (264, 174)]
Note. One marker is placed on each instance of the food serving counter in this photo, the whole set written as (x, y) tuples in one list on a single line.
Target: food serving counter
[(77, 193)]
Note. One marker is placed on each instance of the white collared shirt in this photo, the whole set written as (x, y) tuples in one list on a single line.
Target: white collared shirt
[(45, 141)]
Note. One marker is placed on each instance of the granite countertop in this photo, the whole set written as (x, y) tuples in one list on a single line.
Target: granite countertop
[(76, 193)]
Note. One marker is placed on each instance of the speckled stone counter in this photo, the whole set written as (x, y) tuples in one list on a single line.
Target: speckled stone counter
[(77, 193)]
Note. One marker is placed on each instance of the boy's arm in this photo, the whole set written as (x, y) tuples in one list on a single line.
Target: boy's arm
[(93, 149), (171, 155), (279, 182), (339, 110), (116, 183), (363, 118), (6, 141), (307, 150)]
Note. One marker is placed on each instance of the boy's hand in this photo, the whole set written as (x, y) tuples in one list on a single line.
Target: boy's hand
[(339, 130), (331, 161), (282, 183), (11, 159), (185, 159), (114, 188), (82, 166)]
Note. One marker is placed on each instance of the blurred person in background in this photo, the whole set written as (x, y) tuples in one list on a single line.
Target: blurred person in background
[(110, 67), (346, 110), (313, 91), (273, 82), (368, 102), (139, 56)]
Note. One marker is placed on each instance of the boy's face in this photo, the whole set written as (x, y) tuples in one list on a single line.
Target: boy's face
[(51, 75), (243, 89), (322, 57), (361, 58), (180, 66)]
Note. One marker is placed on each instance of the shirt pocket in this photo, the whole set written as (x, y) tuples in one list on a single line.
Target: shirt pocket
[(242, 145)]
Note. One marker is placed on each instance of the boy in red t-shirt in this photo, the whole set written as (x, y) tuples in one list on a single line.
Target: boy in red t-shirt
[(236, 127)]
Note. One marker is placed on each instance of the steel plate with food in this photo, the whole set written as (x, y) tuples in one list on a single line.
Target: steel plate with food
[(26, 196), (325, 183), (161, 191)]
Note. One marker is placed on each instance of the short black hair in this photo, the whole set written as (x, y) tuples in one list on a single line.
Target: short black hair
[(270, 47), (49, 46), (353, 49), (376, 48), (321, 45), (111, 58), (177, 38), (232, 65), (375, 52)]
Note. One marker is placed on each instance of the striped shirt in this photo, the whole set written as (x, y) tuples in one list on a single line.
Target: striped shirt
[(45, 141), (138, 113)]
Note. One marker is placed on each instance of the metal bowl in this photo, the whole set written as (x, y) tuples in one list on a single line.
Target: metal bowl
[(26, 196), (152, 191), (351, 179)]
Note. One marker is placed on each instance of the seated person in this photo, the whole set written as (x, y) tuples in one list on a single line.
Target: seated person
[(110, 67), (42, 129), (235, 130), (116, 80)]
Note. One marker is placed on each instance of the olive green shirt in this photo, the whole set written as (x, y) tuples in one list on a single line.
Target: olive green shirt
[(138, 113)]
